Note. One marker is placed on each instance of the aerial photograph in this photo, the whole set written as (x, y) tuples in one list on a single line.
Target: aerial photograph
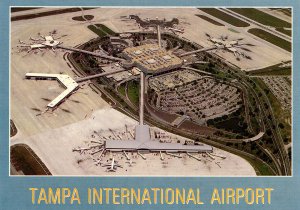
[(112, 91)]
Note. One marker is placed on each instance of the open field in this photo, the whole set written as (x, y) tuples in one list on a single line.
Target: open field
[(101, 30), (278, 69), (47, 12), (282, 30), (285, 11), (271, 38), (86, 17), (210, 20), (25, 161), (16, 9), (133, 92), (225, 17), (121, 89), (262, 17)]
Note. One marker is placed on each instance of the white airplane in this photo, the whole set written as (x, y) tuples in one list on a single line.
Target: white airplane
[(21, 42), (130, 162), (112, 167), (47, 41), (231, 46), (80, 150)]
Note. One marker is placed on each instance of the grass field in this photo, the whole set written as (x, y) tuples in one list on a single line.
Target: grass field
[(271, 38), (13, 128), (260, 168), (20, 9), (262, 17), (25, 160), (210, 20), (286, 11), (101, 30), (232, 30), (282, 30), (225, 17), (133, 92), (275, 72), (121, 89), (80, 18), (272, 70)]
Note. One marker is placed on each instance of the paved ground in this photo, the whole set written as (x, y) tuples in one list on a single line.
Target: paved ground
[(27, 95), (60, 159)]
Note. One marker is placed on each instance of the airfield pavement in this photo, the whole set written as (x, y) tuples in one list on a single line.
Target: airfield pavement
[(30, 97), (61, 160), (56, 131)]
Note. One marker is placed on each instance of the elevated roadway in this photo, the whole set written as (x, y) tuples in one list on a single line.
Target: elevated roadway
[(196, 51), (82, 79), (142, 98), (92, 53)]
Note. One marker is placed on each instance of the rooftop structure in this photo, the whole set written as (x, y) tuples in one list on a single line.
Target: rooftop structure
[(151, 59), (154, 22), (65, 80), (47, 42), (143, 142)]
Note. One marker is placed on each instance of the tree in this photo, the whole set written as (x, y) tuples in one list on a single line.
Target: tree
[(281, 126)]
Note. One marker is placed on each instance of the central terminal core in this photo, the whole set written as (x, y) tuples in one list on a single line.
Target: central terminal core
[(152, 59)]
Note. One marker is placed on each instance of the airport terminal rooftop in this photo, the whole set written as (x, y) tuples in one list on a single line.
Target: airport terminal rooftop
[(151, 58), (65, 80), (143, 142)]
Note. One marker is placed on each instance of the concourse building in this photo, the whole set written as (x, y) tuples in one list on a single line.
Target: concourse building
[(144, 143), (66, 81)]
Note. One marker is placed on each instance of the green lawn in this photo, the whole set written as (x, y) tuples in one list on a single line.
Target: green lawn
[(271, 38), (225, 17), (286, 11), (262, 17), (133, 92), (80, 18), (101, 30), (282, 30), (272, 70), (261, 168), (232, 30), (210, 20), (27, 161), (121, 89)]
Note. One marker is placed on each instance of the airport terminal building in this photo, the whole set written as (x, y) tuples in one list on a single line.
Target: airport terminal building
[(143, 142), (152, 59)]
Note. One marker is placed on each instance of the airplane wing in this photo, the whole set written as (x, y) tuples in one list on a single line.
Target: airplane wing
[(34, 46), (48, 38)]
